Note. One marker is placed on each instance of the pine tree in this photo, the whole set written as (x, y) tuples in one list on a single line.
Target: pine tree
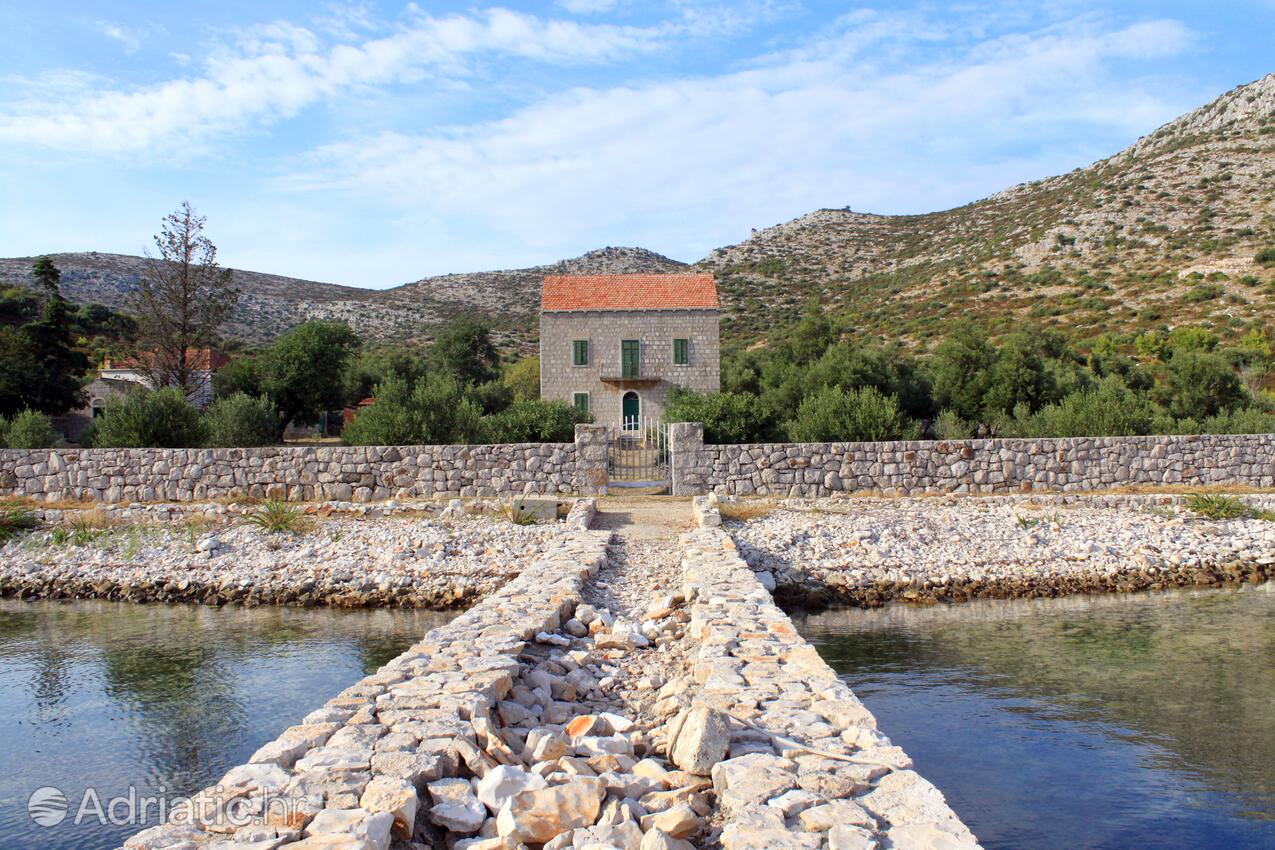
[(181, 302)]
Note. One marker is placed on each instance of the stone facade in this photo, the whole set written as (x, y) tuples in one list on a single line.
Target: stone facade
[(358, 473), (601, 378), (970, 466)]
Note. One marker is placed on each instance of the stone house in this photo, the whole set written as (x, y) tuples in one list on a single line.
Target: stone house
[(615, 344), (116, 377)]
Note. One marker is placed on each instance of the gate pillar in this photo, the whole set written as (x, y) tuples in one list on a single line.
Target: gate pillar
[(591, 460), (686, 444)]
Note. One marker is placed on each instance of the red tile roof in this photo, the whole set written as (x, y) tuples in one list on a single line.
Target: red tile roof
[(695, 291), (197, 358)]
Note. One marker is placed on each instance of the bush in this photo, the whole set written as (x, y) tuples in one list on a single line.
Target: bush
[(241, 420), (863, 414), (434, 412), (28, 430), (1220, 506), (535, 422), (728, 417), (1265, 257), (1109, 410), (160, 419), (523, 379), (1248, 420), (1199, 385), (949, 426)]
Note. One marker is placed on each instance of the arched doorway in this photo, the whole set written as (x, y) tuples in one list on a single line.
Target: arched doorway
[(631, 410)]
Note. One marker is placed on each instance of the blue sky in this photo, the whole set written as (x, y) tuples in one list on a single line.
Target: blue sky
[(375, 143)]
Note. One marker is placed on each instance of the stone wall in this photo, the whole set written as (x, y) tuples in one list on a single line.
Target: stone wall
[(353, 772), (970, 466), (367, 473), (809, 769), (358, 473)]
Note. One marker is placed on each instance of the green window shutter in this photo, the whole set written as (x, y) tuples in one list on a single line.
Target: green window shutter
[(581, 401), (580, 352), (681, 352), (629, 358)]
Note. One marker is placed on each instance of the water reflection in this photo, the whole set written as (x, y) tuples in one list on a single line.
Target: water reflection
[(1103, 722), (108, 695)]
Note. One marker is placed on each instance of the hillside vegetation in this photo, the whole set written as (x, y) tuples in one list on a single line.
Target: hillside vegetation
[(1178, 229)]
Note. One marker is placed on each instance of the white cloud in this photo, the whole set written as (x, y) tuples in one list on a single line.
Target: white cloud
[(684, 165), (276, 70), (132, 41), (587, 7)]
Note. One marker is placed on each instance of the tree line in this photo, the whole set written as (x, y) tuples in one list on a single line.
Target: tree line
[(457, 389), (818, 384)]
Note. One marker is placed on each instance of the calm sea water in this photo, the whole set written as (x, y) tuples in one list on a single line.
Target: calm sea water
[(162, 698), (1087, 723)]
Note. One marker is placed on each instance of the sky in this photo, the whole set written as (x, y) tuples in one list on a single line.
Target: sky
[(373, 144)]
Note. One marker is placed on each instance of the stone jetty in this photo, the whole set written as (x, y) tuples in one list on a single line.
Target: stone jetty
[(620, 692)]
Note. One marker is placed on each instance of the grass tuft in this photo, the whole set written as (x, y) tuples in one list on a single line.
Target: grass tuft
[(15, 520), (744, 511), (277, 517), (513, 511), (1221, 506)]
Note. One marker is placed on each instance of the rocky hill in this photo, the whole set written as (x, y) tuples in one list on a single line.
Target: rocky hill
[(1165, 232), (270, 304)]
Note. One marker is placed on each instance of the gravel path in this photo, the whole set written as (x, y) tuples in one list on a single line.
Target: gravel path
[(643, 575)]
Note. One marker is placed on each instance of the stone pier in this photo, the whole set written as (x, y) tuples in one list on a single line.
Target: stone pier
[(522, 724)]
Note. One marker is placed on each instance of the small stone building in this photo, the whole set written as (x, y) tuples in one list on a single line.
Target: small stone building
[(615, 344)]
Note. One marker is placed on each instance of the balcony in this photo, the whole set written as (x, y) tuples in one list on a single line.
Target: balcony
[(631, 381)]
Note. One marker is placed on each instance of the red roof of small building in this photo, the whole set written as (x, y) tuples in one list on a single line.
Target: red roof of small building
[(196, 358), (696, 291)]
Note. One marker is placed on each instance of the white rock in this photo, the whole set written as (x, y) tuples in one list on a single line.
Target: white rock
[(504, 782)]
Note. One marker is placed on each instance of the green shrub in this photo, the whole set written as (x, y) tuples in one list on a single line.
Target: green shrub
[(1109, 410), (535, 422), (141, 419), (949, 426), (1247, 420), (1220, 506), (242, 421), (1199, 385), (862, 414), (433, 412), (728, 417), (29, 429), (1202, 292), (1265, 257)]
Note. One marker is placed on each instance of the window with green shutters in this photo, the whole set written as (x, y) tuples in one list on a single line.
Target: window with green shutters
[(580, 352), (581, 401), (629, 358), (681, 352)]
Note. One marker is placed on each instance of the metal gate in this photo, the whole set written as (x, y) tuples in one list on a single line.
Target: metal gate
[(637, 454)]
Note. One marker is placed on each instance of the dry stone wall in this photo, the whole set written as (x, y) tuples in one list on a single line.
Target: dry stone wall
[(354, 772), (970, 466), (808, 767), (370, 473), (342, 473)]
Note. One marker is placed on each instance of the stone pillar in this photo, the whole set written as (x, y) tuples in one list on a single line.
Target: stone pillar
[(591, 460), (685, 446)]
